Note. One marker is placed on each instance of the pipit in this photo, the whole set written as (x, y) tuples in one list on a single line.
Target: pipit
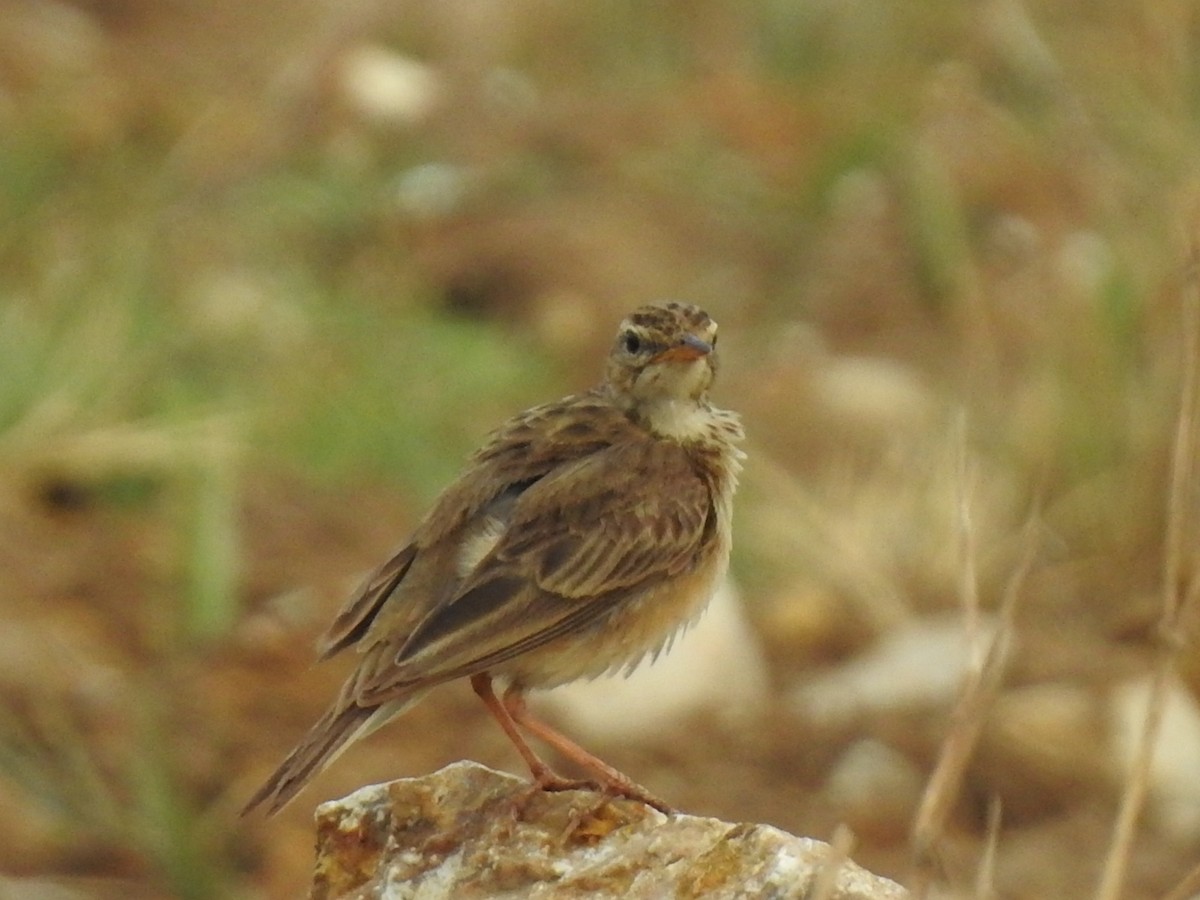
[(581, 538)]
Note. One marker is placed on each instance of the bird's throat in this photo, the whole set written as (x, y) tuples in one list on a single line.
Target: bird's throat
[(679, 420)]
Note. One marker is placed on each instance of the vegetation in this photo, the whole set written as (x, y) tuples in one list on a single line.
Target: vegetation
[(267, 274)]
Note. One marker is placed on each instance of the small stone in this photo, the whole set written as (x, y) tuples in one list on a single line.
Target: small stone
[(389, 87), (1174, 785), (875, 790), (1042, 747)]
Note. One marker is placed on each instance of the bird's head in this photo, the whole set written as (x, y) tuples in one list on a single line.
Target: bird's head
[(663, 354)]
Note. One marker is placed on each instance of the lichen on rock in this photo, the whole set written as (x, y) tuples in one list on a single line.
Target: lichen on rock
[(470, 832)]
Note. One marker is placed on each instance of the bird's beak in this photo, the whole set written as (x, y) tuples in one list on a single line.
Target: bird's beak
[(689, 348)]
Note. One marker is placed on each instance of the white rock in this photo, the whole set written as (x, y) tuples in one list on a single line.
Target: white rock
[(432, 190), (388, 87), (1175, 769), (868, 768), (874, 785), (454, 834), (920, 664)]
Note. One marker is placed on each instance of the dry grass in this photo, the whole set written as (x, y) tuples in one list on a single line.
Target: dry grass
[(1180, 590), (989, 657), (841, 845)]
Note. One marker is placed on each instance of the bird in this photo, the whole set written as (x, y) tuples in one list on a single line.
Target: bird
[(581, 538)]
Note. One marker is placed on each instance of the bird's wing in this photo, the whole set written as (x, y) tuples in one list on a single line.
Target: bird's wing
[(355, 617), (582, 538), (521, 452), (423, 574)]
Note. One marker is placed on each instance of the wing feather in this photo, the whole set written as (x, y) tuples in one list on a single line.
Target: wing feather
[(578, 540), (401, 593), (359, 612)]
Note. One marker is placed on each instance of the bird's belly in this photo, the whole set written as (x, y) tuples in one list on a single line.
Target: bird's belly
[(638, 626)]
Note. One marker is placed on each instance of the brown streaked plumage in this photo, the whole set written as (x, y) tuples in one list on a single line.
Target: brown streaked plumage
[(580, 539)]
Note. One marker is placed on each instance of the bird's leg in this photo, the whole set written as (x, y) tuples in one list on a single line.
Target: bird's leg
[(612, 781), (545, 777)]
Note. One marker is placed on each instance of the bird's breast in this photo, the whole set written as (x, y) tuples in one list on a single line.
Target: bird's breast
[(641, 624)]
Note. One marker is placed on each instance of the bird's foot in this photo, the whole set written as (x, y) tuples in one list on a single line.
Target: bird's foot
[(550, 782), (631, 791), (610, 787)]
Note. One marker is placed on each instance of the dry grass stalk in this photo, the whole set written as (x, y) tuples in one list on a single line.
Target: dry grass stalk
[(1176, 601), (982, 684), (856, 571), (1188, 888), (985, 878), (968, 549), (841, 845)]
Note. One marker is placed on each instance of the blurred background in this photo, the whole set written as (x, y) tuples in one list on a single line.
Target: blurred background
[(269, 271)]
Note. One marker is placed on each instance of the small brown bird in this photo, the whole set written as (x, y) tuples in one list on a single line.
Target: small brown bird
[(581, 538)]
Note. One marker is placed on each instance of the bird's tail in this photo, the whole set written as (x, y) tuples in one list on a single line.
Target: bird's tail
[(341, 725)]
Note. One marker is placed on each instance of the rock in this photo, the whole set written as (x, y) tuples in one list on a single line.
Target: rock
[(388, 88), (919, 665), (1174, 801), (470, 832), (876, 790), (1043, 746)]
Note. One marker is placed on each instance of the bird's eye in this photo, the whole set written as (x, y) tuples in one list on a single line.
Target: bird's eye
[(631, 342)]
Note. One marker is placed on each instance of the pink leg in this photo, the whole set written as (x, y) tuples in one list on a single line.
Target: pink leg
[(612, 781), (545, 777)]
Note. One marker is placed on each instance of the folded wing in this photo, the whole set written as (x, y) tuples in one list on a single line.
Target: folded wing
[(575, 542)]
